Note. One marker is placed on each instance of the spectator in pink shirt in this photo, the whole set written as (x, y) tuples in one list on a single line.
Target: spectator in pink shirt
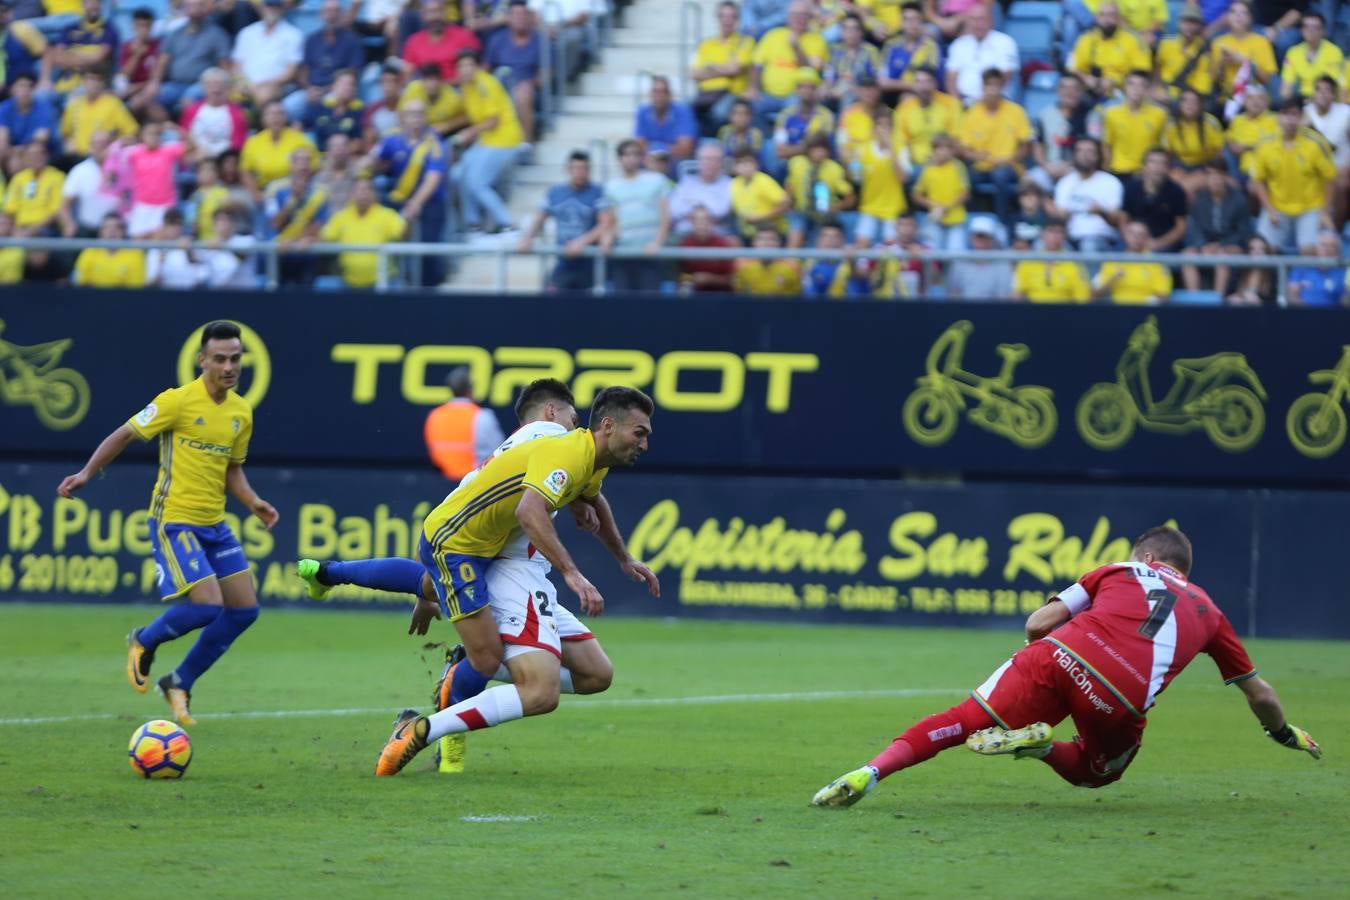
[(152, 165), (438, 42)]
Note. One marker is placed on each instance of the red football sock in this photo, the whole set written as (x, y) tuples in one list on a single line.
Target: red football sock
[(929, 737)]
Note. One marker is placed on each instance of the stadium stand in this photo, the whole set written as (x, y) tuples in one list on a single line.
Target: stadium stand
[(466, 112)]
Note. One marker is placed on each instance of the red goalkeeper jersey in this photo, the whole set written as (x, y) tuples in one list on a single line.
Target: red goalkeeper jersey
[(1136, 627)]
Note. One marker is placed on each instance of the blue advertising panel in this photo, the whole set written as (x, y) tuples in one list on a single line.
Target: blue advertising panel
[(762, 387), (807, 550)]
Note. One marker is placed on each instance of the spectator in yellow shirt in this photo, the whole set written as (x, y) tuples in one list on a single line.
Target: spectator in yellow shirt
[(1310, 60), (1059, 281), (1103, 56), (995, 134), (1238, 46), (721, 69), (882, 173), (1183, 60), (33, 196), (11, 258), (778, 59), (1132, 128), (97, 109), (757, 200), (923, 115), (102, 267), (1292, 177), (1254, 124), (764, 277), (1146, 18), (267, 154), (493, 140), (444, 106), (942, 188), (857, 122), (363, 222), (819, 188), (1194, 138), (1133, 282)]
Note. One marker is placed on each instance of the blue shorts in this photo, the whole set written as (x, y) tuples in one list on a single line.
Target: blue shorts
[(460, 581), (187, 555)]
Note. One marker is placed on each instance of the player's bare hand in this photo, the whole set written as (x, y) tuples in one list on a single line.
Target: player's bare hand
[(72, 483), (638, 572), (586, 517), (266, 512), (592, 604), (422, 614)]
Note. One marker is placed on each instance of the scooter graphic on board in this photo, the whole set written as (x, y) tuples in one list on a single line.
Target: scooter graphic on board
[(1316, 422), (29, 376), (1220, 394), (1024, 415)]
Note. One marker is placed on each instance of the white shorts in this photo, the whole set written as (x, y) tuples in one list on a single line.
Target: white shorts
[(525, 606), (145, 219)]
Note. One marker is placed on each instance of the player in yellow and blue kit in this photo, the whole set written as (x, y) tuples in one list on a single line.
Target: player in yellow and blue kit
[(518, 491), (203, 429)]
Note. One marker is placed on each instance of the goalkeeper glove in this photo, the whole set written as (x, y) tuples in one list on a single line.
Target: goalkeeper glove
[(1296, 738)]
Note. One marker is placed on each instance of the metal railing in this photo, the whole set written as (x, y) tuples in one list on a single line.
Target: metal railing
[(270, 254)]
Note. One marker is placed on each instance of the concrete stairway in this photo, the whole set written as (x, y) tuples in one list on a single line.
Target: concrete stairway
[(598, 113)]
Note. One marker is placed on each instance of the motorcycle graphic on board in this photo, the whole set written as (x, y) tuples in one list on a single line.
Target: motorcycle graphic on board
[(29, 376), (1316, 422), (1024, 414), (1220, 394)]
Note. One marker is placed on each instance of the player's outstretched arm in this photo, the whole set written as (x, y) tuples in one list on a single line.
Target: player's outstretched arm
[(237, 483), (111, 448), (536, 520), (1265, 704), (608, 534)]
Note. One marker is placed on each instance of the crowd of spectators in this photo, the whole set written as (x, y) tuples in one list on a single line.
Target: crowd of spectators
[(1133, 127), (224, 123)]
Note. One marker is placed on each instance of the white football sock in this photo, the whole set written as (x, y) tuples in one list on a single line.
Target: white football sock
[(565, 678), (492, 707)]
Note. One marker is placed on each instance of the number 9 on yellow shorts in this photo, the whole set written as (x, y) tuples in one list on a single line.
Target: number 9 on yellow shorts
[(460, 581)]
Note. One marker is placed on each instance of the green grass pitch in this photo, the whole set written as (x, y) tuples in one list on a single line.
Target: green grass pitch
[(627, 795)]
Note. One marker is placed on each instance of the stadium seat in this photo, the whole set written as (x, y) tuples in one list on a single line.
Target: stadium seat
[(1173, 10), (1035, 37), (1044, 80), (1046, 10), (1197, 298), (1037, 99), (306, 18)]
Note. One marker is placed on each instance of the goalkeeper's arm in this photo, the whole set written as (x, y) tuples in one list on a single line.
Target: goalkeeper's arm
[(1265, 704)]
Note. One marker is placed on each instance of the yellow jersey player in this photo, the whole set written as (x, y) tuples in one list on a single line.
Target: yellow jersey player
[(545, 408), (203, 429), (519, 490)]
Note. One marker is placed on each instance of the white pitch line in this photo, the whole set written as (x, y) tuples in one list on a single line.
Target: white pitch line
[(707, 700)]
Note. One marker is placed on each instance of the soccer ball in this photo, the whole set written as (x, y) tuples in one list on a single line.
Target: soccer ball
[(160, 749)]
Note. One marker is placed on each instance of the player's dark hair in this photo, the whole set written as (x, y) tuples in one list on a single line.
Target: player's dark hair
[(579, 156), (220, 331), (1168, 545), (539, 392), (616, 402)]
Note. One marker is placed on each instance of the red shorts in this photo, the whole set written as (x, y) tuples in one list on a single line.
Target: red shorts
[(1043, 683)]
